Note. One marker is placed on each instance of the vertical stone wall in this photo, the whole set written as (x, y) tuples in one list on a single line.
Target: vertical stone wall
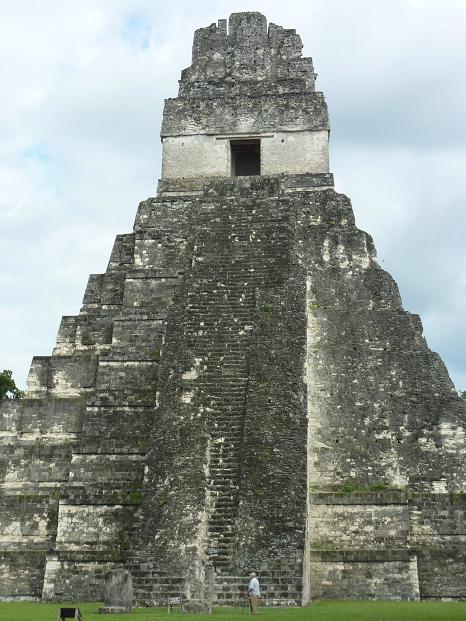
[(438, 527), (399, 421), (360, 547), (383, 414), (73, 458), (37, 438)]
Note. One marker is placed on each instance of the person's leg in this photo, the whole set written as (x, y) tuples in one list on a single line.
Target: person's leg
[(254, 602)]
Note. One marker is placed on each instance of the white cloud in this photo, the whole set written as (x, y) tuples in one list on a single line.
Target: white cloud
[(82, 94)]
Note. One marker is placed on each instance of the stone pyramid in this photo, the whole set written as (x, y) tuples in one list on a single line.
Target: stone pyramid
[(242, 389)]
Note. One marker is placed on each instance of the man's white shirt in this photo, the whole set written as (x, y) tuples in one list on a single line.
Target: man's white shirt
[(254, 588)]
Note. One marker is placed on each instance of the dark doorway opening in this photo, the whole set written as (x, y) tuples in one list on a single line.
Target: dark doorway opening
[(245, 157)]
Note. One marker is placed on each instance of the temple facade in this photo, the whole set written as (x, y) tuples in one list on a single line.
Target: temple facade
[(242, 389)]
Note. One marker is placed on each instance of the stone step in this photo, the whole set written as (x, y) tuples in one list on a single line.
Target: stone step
[(227, 537), (273, 577), (223, 511), (224, 504), (225, 446), (224, 451), (229, 417), (219, 531), (221, 521), (226, 414), (224, 501), (224, 590), (226, 462)]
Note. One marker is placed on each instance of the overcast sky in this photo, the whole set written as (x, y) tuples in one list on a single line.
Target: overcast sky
[(81, 93)]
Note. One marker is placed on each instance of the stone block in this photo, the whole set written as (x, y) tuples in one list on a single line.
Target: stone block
[(118, 592), (69, 376), (92, 528), (27, 521), (10, 416), (39, 459), (93, 293), (133, 378), (22, 574), (120, 429), (74, 580), (52, 416), (117, 469), (196, 606), (158, 292), (38, 376), (66, 337)]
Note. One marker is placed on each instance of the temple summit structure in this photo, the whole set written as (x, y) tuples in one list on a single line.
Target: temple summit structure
[(241, 389)]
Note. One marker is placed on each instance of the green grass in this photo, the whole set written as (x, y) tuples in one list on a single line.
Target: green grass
[(320, 611)]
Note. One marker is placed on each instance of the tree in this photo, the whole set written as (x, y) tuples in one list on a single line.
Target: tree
[(462, 394), (8, 388)]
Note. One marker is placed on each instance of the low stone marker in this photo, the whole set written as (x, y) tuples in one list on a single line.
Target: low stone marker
[(118, 595), (194, 606)]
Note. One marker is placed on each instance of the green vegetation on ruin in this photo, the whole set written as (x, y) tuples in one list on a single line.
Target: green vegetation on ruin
[(135, 497), (320, 611), (354, 487), (351, 487), (8, 388)]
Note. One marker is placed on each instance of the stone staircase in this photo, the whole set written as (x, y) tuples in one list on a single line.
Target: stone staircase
[(221, 306), (223, 487), (281, 586), (151, 585), (224, 384)]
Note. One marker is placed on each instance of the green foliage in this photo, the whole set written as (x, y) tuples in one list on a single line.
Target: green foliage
[(352, 486), (8, 388), (377, 487), (135, 497), (349, 487), (462, 394)]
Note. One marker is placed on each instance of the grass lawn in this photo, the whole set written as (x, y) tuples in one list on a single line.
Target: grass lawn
[(320, 611)]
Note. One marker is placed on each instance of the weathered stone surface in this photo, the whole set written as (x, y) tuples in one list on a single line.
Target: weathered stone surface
[(241, 389), (193, 606), (118, 592), (22, 573)]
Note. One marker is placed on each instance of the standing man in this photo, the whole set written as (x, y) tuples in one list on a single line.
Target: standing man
[(253, 593)]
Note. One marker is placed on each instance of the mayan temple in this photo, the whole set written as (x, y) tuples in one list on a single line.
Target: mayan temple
[(241, 389)]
